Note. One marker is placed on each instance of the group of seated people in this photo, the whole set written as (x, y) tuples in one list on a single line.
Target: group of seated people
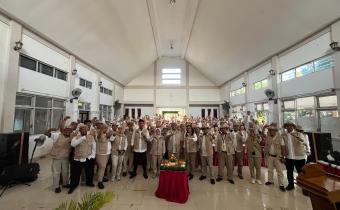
[(117, 148)]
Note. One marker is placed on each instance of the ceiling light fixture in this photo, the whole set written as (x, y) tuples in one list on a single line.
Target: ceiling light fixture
[(172, 2)]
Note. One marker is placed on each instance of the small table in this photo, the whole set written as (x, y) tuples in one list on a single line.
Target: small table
[(173, 186)]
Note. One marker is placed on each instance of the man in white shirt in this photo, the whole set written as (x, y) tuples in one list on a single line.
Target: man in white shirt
[(296, 150), (139, 140), (84, 157)]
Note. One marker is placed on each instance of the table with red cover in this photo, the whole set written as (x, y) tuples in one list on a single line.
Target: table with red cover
[(173, 186)]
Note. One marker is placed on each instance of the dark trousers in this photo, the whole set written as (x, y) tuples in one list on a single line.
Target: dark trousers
[(76, 167), (290, 164), (139, 156)]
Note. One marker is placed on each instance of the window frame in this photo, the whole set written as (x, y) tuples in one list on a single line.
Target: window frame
[(166, 72)]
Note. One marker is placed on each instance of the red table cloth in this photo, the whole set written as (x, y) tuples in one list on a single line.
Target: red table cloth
[(173, 186)]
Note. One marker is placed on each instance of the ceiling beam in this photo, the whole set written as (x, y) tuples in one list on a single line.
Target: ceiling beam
[(151, 4), (190, 17)]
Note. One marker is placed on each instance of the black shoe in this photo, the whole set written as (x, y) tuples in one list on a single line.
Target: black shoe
[(100, 185), (282, 188), (290, 187), (70, 190), (90, 184), (132, 175), (191, 176), (269, 183), (212, 181), (202, 177), (67, 186), (145, 176), (231, 181), (105, 179), (130, 172), (219, 179), (57, 190), (240, 176), (124, 174)]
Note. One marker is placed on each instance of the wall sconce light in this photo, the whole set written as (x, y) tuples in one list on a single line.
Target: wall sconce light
[(74, 71), (244, 84), (100, 83), (272, 72), (18, 45), (172, 2), (334, 46)]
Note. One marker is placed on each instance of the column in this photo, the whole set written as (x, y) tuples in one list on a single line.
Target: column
[(10, 76), (72, 107), (335, 36), (274, 109)]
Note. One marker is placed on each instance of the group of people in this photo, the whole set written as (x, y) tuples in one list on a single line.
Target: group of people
[(115, 149)]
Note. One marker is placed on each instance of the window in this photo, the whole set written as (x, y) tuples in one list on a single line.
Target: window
[(324, 63), (105, 112), (304, 70), (83, 106), (305, 103), (45, 69), (239, 91), (171, 76), (289, 116), (60, 74), (32, 64), (328, 101), (288, 75), (261, 84), (203, 113), (262, 112), (28, 63), (289, 104), (36, 114), (85, 83), (106, 91)]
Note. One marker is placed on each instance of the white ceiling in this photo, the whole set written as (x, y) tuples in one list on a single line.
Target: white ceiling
[(221, 38)]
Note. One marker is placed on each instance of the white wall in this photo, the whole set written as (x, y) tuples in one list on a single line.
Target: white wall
[(196, 111), (196, 78), (171, 98), (256, 75), (104, 98), (145, 110), (88, 95), (311, 83), (169, 62), (138, 95), (308, 52), (205, 95), (146, 78), (4, 40), (119, 93)]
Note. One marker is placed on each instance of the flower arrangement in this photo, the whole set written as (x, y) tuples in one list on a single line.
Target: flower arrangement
[(173, 164)]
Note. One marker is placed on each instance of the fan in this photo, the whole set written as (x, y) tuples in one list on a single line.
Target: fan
[(75, 93)]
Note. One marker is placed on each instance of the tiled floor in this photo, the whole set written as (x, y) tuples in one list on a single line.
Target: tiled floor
[(138, 194)]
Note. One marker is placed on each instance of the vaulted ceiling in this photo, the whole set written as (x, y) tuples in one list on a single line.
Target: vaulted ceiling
[(221, 38)]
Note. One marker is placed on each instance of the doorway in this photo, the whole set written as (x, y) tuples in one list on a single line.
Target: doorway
[(84, 115)]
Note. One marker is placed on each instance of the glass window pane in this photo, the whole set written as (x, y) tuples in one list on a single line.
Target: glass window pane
[(45, 69), (22, 120), (28, 63), (171, 76), (42, 120), (87, 106), (61, 75), (89, 84), (58, 103), (171, 82), (23, 100), (259, 107), (257, 85), (82, 82), (304, 70), (243, 90), (288, 75), (307, 119), (307, 102), (43, 102), (289, 104), (81, 105), (264, 83), (265, 106), (101, 89), (328, 101), (324, 63), (289, 116), (330, 122), (58, 115), (171, 71)]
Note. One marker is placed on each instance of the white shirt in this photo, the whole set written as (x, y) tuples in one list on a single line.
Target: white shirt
[(76, 141), (139, 149), (291, 152)]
